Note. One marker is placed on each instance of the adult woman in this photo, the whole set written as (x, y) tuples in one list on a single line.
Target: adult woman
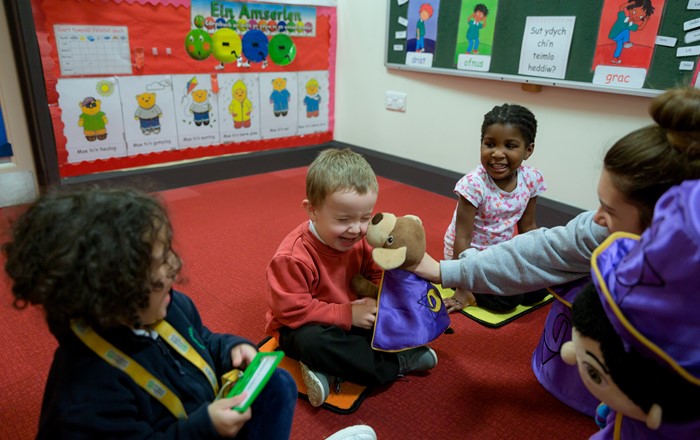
[(637, 170)]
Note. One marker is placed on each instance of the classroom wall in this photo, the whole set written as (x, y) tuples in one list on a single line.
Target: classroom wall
[(442, 122)]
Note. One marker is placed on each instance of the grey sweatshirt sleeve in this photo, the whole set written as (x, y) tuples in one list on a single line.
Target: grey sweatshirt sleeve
[(540, 258)]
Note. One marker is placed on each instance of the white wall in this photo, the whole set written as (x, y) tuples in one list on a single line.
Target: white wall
[(441, 126)]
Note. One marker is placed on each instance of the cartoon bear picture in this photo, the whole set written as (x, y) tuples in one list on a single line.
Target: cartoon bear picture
[(280, 96), (312, 100), (148, 113), (92, 119), (240, 107), (200, 107)]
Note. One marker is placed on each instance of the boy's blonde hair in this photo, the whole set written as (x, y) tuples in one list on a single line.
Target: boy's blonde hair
[(337, 169)]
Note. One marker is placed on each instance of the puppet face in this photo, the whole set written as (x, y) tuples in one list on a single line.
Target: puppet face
[(200, 96), (90, 106), (227, 45), (198, 44), (255, 45), (146, 100), (398, 242), (589, 359), (282, 49)]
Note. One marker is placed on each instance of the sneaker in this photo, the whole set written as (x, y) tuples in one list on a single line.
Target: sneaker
[(356, 432), (317, 385), (417, 359), (628, 45)]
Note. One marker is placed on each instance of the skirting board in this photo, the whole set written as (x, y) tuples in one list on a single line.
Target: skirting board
[(549, 212)]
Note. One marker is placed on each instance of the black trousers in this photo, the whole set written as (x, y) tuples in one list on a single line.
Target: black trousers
[(339, 353)]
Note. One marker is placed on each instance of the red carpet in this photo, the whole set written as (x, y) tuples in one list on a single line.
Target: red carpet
[(482, 388)]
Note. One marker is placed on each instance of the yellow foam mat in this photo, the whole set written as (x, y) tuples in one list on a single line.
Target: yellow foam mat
[(346, 401), (490, 318)]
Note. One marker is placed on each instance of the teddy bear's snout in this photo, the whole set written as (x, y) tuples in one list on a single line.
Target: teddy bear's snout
[(377, 218)]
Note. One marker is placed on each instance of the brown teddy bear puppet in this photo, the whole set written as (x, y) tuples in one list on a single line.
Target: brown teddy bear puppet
[(399, 243), (410, 312)]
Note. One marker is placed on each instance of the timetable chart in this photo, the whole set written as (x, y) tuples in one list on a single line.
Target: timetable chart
[(93, 50)]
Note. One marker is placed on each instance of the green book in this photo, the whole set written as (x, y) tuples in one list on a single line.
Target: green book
[(255, 377)]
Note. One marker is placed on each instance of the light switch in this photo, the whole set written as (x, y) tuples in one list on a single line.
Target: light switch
[(395, 101)]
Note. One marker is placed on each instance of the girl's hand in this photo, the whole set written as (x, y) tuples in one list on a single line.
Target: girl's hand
[(242, 355), (227, 421), (461, 299)]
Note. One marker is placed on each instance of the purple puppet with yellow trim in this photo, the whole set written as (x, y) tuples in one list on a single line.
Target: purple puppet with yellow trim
[(635, 336)]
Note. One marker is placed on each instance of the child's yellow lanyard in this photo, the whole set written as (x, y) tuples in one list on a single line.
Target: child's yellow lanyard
[(140, 375), (180, 344)]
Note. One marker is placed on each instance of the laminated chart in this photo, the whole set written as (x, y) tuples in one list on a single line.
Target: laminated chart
[(93, 50)]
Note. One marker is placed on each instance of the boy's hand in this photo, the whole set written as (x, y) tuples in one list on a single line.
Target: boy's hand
[(364, 312), (242, 355), (227, 421)]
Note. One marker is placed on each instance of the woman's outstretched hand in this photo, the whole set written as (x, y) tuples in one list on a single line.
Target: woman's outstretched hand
[(428, 268)]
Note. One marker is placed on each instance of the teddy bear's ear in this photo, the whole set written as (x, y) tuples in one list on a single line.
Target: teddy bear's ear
[(379, 229), (414, 217), (389, 259)]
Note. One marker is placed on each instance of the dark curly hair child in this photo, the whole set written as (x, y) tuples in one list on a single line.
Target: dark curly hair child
[(134, 359)]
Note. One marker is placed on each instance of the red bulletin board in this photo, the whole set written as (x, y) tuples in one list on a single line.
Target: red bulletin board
[(163, 24)]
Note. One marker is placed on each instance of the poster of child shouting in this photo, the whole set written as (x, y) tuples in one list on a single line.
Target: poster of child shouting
[(626, 39)]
